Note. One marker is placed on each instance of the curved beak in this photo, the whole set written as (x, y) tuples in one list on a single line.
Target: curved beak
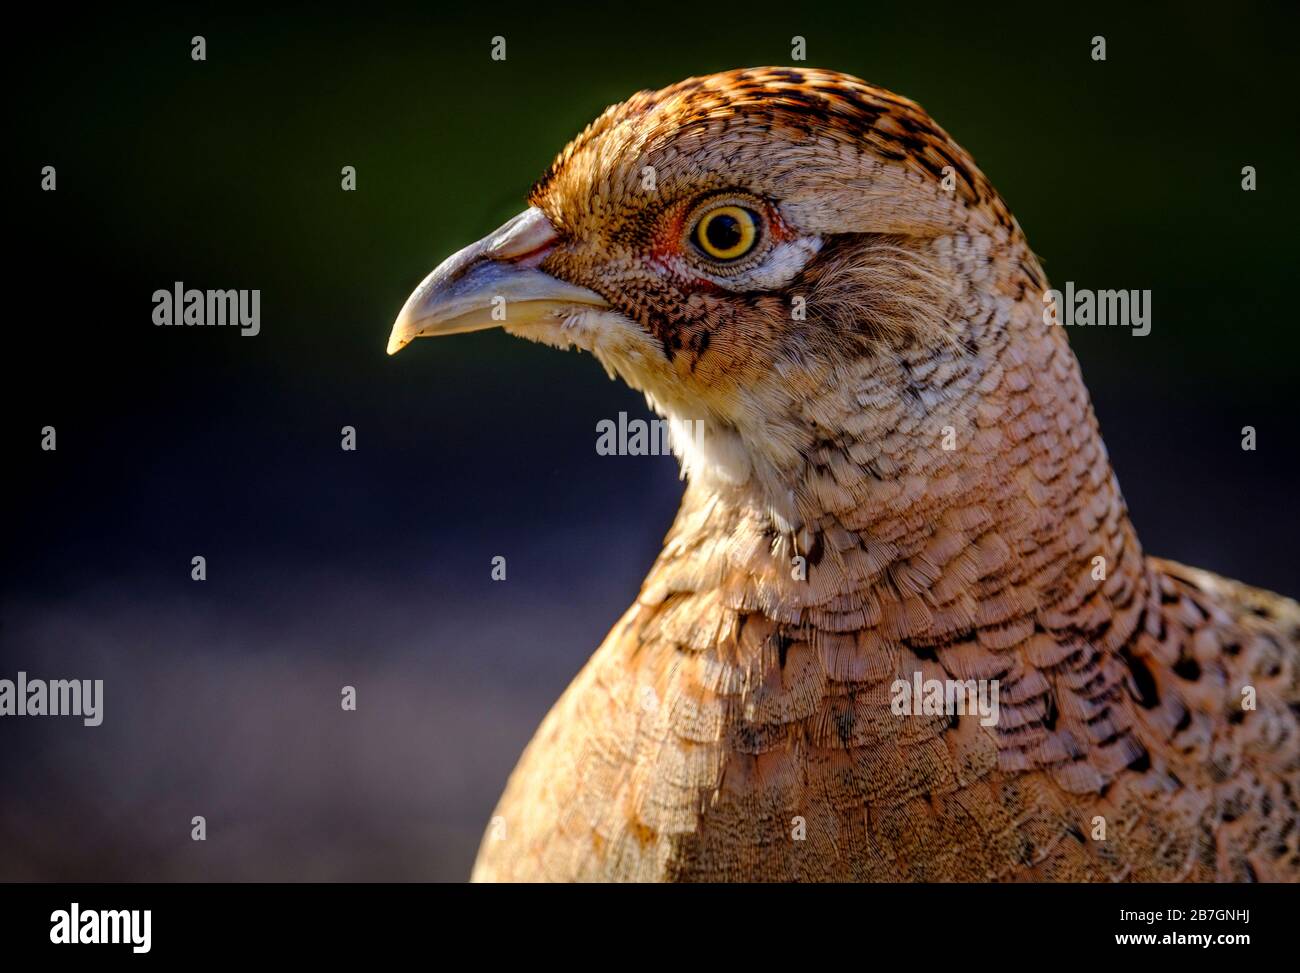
[(491, 283)]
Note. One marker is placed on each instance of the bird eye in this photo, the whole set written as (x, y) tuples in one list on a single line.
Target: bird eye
[(727, 233)]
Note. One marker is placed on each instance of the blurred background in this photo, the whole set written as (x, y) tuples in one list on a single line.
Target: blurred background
[(372, 568)]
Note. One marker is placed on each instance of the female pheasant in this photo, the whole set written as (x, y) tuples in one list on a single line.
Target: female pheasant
[(900, 473)]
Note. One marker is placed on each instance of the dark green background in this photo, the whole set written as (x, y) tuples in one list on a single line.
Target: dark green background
[(371, 568)]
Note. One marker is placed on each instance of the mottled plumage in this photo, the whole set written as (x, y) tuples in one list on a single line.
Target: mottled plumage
[(906, 476)]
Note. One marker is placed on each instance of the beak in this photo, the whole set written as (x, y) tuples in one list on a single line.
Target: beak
[(491, 283)]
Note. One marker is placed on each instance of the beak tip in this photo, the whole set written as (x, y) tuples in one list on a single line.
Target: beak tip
[(401, 334)]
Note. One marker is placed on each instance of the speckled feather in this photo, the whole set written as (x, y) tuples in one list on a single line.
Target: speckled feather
[(733, 699)]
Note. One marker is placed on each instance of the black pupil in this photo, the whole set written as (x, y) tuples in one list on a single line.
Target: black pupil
[(724, 232)]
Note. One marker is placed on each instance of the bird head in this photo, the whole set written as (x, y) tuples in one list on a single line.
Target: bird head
[(756, 251)]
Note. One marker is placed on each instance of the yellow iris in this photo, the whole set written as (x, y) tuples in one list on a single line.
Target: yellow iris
[(727, 232)]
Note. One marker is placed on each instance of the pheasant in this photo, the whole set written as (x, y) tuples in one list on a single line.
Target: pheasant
[(898, 479)]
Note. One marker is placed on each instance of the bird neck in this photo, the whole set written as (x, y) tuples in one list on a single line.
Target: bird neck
[(938, 493)]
